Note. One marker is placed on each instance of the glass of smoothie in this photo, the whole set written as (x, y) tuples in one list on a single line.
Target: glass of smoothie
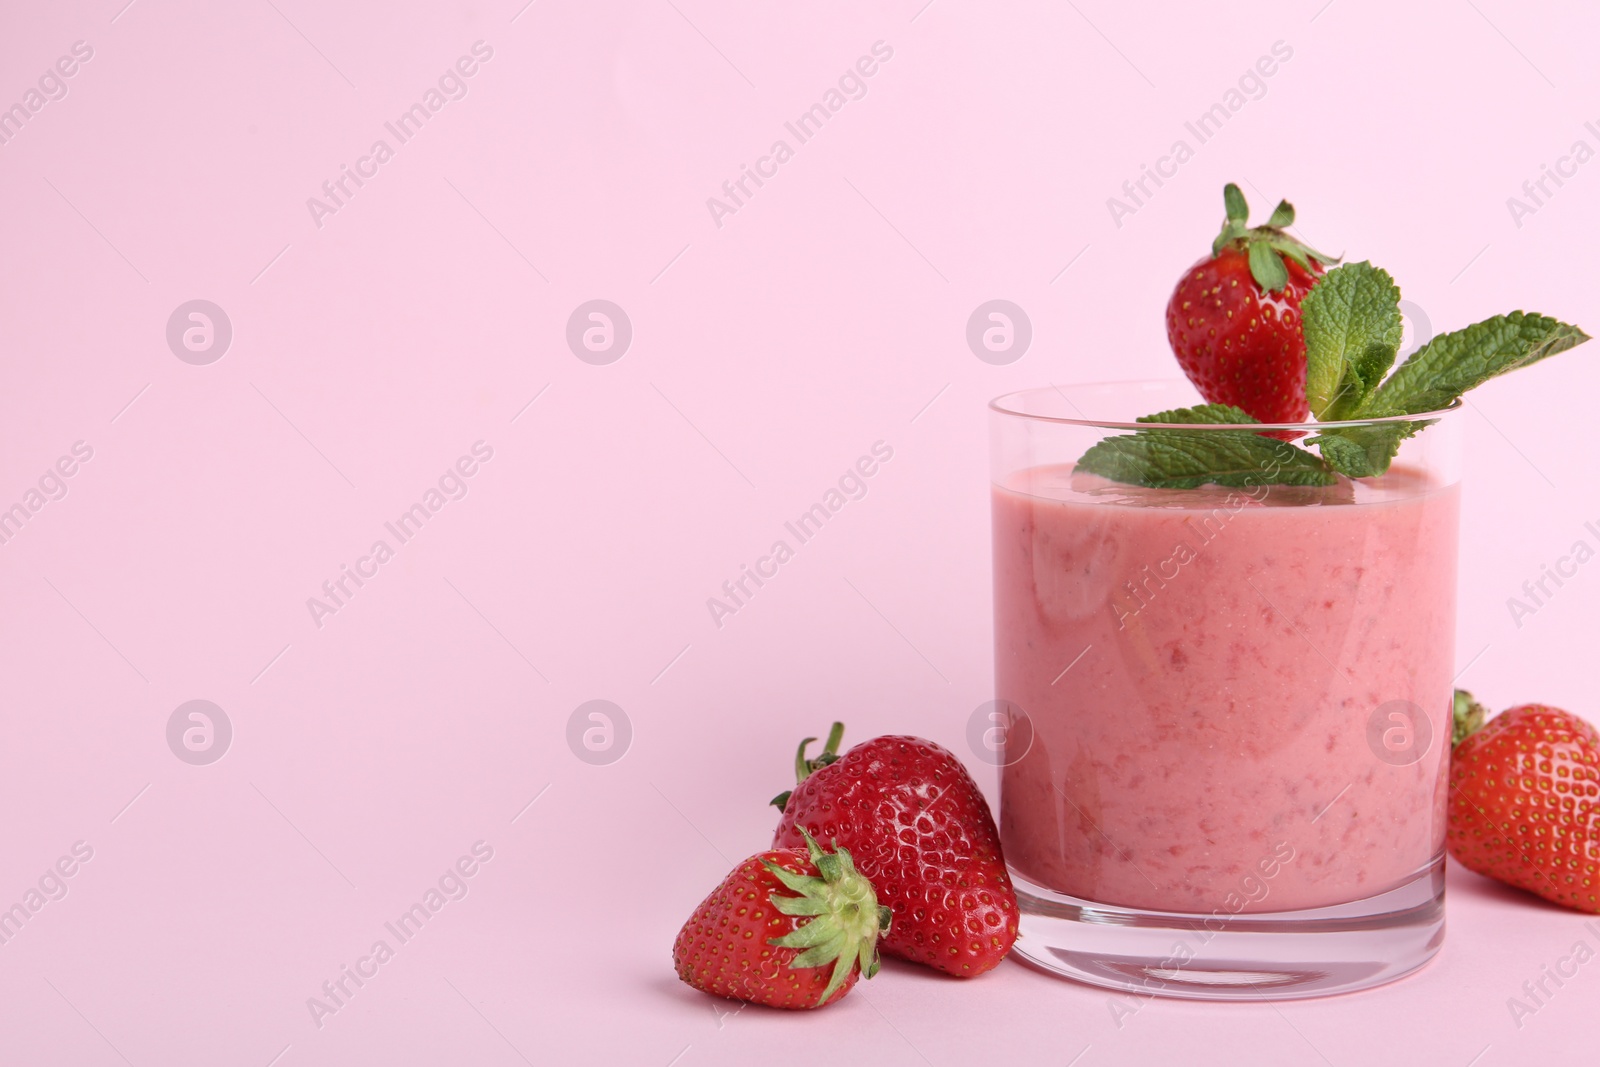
[(1225, 710)]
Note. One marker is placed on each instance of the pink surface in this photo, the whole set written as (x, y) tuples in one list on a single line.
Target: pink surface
[(771, 341)]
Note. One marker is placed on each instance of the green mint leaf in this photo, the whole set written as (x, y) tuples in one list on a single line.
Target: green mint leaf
[(1282, 215), (1364, 451), (1267, 268), (1233, 201), (1188, 459), (1206, 413), (1450, 364), (1353, 328)]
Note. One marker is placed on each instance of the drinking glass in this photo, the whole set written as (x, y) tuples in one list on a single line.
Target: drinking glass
[(1225, 711)]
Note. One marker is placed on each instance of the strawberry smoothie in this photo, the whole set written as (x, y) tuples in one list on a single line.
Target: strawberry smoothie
[(1211, 745)]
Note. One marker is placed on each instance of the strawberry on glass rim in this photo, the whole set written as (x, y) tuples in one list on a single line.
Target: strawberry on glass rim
[(1234, 318)]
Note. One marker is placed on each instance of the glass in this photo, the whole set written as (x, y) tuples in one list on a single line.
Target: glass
[(1225, 713)]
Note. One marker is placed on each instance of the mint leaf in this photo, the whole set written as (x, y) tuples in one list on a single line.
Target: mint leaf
[(1353, 328), (1450, 364), (1365, 451), (1187, 459), (1207, 413)]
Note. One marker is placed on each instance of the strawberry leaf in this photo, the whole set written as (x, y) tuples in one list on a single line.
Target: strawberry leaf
[(1353, 328), (1266, 267), (1468, 717), (1233, 203), (1295, 251), (844, 921), (1282, 215), (1232, 230)]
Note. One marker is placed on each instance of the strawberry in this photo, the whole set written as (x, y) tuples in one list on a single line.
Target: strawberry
[(920, 829), (1525, 801), (768, 932), (1234, 318)]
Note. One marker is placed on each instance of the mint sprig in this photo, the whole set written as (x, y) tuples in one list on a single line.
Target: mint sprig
[(1176, 459), (1352, 325), (1365, 451), (1201, 413), (1188, 459), (1452, 363)]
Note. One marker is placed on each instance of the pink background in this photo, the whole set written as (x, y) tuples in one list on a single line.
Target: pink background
[(827, 313)]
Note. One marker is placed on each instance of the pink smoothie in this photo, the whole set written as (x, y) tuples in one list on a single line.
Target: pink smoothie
[(1212, 748)]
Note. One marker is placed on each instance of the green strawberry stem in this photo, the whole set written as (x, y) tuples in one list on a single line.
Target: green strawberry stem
[(847, 917), (804, 767), (1265, 245), (1468, 717)]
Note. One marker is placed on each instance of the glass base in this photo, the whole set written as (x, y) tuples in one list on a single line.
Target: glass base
[(1255, 956)]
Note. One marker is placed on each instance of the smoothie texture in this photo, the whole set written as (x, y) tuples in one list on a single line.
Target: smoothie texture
[(1239, 699)]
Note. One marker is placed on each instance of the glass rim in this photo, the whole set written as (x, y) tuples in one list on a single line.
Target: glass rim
[(998, 405)]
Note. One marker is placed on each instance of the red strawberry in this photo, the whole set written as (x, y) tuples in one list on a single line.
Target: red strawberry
[(920, 829), (750, 939), (1234, 319), (1525, 801)]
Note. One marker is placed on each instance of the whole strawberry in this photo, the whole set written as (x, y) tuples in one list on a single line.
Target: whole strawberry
[(1525, 801), (1234, 319), (918, 826), (768, 933)]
